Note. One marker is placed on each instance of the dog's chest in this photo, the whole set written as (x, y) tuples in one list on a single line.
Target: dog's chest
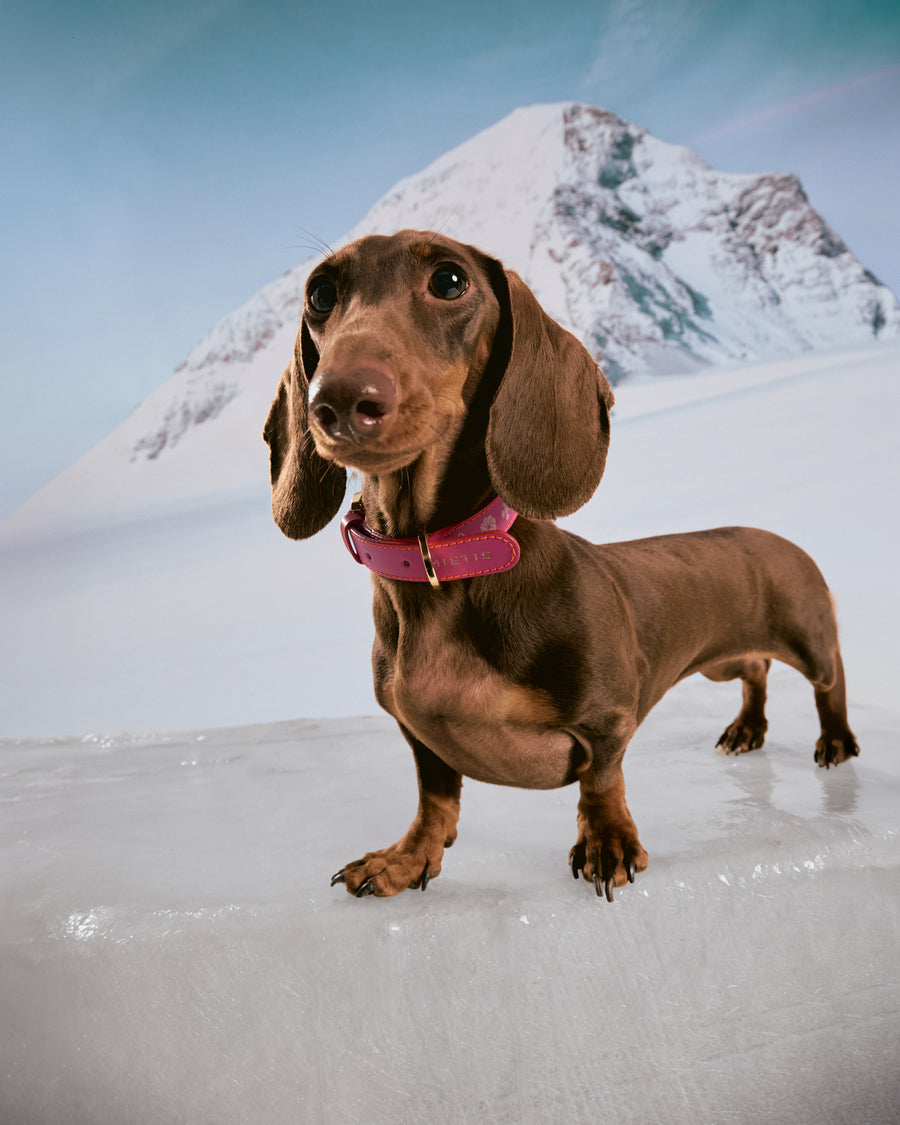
[(443, 675), (474, 718)]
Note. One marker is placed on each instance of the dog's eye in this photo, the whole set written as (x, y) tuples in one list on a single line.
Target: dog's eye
[(448, 282), (323, 297)]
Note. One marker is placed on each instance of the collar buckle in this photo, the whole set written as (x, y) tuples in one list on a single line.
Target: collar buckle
[(433, 579)]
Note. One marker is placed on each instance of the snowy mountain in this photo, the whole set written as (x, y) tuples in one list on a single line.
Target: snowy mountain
[(656, 262)]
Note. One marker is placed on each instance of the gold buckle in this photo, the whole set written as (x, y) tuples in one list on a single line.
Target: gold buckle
[(426, 559)]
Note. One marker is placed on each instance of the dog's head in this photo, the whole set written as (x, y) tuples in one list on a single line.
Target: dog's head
[(398, 334)]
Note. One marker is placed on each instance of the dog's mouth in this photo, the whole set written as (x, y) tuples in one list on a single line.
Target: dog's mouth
[(366, 459)]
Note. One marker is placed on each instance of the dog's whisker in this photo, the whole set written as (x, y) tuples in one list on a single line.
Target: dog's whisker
[(441, 227), (316, 243)]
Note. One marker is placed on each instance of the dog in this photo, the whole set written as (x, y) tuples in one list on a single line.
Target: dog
[(525, 659)]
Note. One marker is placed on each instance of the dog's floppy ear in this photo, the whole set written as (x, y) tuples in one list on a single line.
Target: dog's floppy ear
[(548, 433), (307, 490)]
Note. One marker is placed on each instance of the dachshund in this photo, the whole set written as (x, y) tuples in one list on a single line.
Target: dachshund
[(525, 659)]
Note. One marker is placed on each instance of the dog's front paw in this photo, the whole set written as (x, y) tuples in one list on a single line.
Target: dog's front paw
[(402, 866), (742, 736), (607, 857)]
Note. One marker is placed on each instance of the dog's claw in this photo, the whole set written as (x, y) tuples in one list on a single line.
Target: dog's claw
[(338, 878), (367, 888), (604, 870), (423, 883), (604, 887)]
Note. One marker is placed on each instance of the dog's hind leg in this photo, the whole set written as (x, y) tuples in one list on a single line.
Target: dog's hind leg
[(748, 731), (837, 742), (811, 646), (808, 641)]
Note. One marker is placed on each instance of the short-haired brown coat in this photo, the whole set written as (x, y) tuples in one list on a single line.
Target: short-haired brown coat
[(429, 368)]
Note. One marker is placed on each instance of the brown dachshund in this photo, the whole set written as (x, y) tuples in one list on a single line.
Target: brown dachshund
[(525, 659)]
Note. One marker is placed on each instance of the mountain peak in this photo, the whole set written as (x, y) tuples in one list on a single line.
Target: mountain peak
[(656, 262)]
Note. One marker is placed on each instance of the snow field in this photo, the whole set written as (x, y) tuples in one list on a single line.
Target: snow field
[(171, 949)]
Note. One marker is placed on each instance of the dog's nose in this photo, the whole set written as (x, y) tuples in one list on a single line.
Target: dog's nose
[(354, 404)]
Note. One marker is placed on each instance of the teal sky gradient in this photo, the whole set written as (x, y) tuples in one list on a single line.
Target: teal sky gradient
[(161, 161)]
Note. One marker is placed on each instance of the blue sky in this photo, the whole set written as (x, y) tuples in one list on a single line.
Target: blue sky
[(162, 161)]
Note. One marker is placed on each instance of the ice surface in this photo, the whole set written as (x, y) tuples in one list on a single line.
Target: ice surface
[(170, 950)]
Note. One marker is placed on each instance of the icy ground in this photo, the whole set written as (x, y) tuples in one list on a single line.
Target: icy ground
[(171, 952)]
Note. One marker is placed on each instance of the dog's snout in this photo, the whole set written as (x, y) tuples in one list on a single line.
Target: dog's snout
[(354, 404)]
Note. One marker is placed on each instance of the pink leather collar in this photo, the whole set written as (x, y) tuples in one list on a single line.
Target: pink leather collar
[(477, 546)]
